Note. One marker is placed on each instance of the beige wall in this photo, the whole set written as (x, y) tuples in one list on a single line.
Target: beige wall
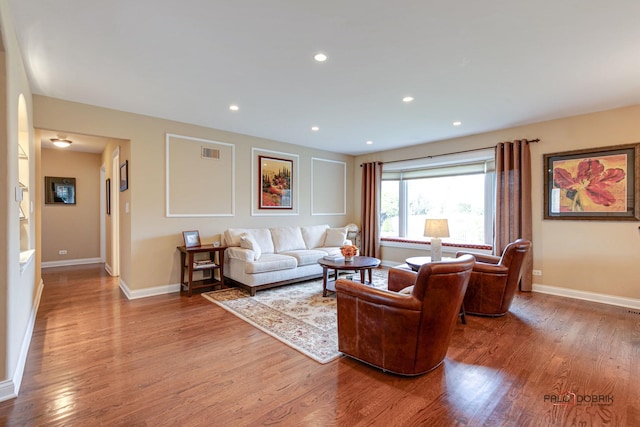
[(591, 256), (74, 228), (148, 238)]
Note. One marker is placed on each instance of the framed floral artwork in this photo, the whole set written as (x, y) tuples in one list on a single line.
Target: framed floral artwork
[(593, 184), (275, 183)]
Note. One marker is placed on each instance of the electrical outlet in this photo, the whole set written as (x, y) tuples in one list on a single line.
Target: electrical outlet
[(537, 272), (62, 252)]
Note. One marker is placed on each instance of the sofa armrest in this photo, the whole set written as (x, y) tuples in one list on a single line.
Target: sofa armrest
[(239, 253), (486, 258), (377, 296)]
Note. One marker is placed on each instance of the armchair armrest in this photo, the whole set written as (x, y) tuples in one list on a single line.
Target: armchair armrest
[(486, 258), (482, 267), (377, 296), (401, 277)]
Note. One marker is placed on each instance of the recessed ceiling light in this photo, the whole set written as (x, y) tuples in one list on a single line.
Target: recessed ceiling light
[(315, 128), (234, 107), (457, 123), (320, 57), (407, 99), (369, 142), (60, 142)]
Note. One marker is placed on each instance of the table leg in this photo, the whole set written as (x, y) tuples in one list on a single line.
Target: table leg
[(190, 267), (370, 277), (362, 276), (183, 258), (325, 273)]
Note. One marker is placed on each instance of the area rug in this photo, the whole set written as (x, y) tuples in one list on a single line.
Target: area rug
[(298, 314)]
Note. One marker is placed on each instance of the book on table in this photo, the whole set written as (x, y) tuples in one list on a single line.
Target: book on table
[(204, 263), (334, 258)]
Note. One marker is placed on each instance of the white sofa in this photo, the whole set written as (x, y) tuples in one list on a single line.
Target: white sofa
[(261, 258)]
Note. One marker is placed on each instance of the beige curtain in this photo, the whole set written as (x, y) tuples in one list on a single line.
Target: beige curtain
[(513, 201), (370, 237)]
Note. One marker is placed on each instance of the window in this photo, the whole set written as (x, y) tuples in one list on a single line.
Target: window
[(458, 188)]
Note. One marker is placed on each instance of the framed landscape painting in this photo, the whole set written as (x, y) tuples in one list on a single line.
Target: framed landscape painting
[(276, 177), (593, 184)]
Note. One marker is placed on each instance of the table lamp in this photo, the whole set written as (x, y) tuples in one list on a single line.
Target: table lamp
[(435, 229)]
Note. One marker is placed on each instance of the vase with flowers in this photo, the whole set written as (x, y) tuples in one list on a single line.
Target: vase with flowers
[(349, 251)]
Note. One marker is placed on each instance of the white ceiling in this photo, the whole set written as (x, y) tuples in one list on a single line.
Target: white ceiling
[(490, 64)]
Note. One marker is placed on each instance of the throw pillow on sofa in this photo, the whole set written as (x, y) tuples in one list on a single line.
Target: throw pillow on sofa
[(248, 242), (335, 237)]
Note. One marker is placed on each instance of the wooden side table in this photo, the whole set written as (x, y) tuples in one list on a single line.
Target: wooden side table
[(188, 264)]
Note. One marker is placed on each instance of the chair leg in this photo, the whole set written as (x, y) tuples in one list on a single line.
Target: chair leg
[(463, 315)]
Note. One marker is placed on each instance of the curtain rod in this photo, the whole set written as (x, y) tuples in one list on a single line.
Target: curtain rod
[(455, 152)]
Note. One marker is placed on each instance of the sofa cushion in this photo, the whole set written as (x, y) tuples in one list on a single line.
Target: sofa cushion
[(261, 235), (287, 239), (335, 236), (314, 235), (270, 262), (248, 242), (306, 256)]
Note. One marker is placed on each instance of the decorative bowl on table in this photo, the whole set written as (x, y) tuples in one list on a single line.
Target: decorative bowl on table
[(349, 251)]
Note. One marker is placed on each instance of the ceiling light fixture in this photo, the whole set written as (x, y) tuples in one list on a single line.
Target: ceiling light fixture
[(320, 57), (315, 128), (407, 99), (234, 107), (369, 142), (457, 123), (60, 142)]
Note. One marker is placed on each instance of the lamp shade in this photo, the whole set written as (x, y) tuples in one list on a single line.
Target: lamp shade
[(436, 228)]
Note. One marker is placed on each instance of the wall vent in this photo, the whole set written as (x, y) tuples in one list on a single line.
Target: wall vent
[(210, 153)]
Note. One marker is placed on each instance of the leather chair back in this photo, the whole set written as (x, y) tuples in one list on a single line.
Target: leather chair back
[(494, 280), (407, 334)]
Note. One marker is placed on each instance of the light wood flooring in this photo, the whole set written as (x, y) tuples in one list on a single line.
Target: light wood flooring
[(97, 358)]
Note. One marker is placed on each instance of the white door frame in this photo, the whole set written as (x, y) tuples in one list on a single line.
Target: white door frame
[(103, 214), (115, 212)]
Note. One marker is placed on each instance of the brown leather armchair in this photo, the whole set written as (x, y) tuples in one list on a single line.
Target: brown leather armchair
[(407, 334), (494, 280)]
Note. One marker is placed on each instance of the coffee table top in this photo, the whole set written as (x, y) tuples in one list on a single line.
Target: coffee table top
[(359, 262)]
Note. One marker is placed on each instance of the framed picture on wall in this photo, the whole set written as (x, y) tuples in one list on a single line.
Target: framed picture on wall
[(276, 177), (593, 184), (124, 175)]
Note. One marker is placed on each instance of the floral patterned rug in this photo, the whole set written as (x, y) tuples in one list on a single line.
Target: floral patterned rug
[(298, 314)]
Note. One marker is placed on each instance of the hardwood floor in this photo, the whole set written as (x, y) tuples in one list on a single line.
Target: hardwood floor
[(97, 358)]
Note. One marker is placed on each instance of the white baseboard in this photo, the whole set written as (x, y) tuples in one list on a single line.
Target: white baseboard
[(9, 389), (107, 268), (148, 292), (587, 296), (67, 262)]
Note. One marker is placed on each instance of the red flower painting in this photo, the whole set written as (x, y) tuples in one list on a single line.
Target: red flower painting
[(592, 185)]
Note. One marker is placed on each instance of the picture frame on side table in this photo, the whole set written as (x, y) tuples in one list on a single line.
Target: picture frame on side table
[(124, 175), (191, 238), (593, 184)]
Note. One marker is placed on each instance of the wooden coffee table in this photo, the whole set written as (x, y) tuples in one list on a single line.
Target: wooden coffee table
[(359, 263)]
